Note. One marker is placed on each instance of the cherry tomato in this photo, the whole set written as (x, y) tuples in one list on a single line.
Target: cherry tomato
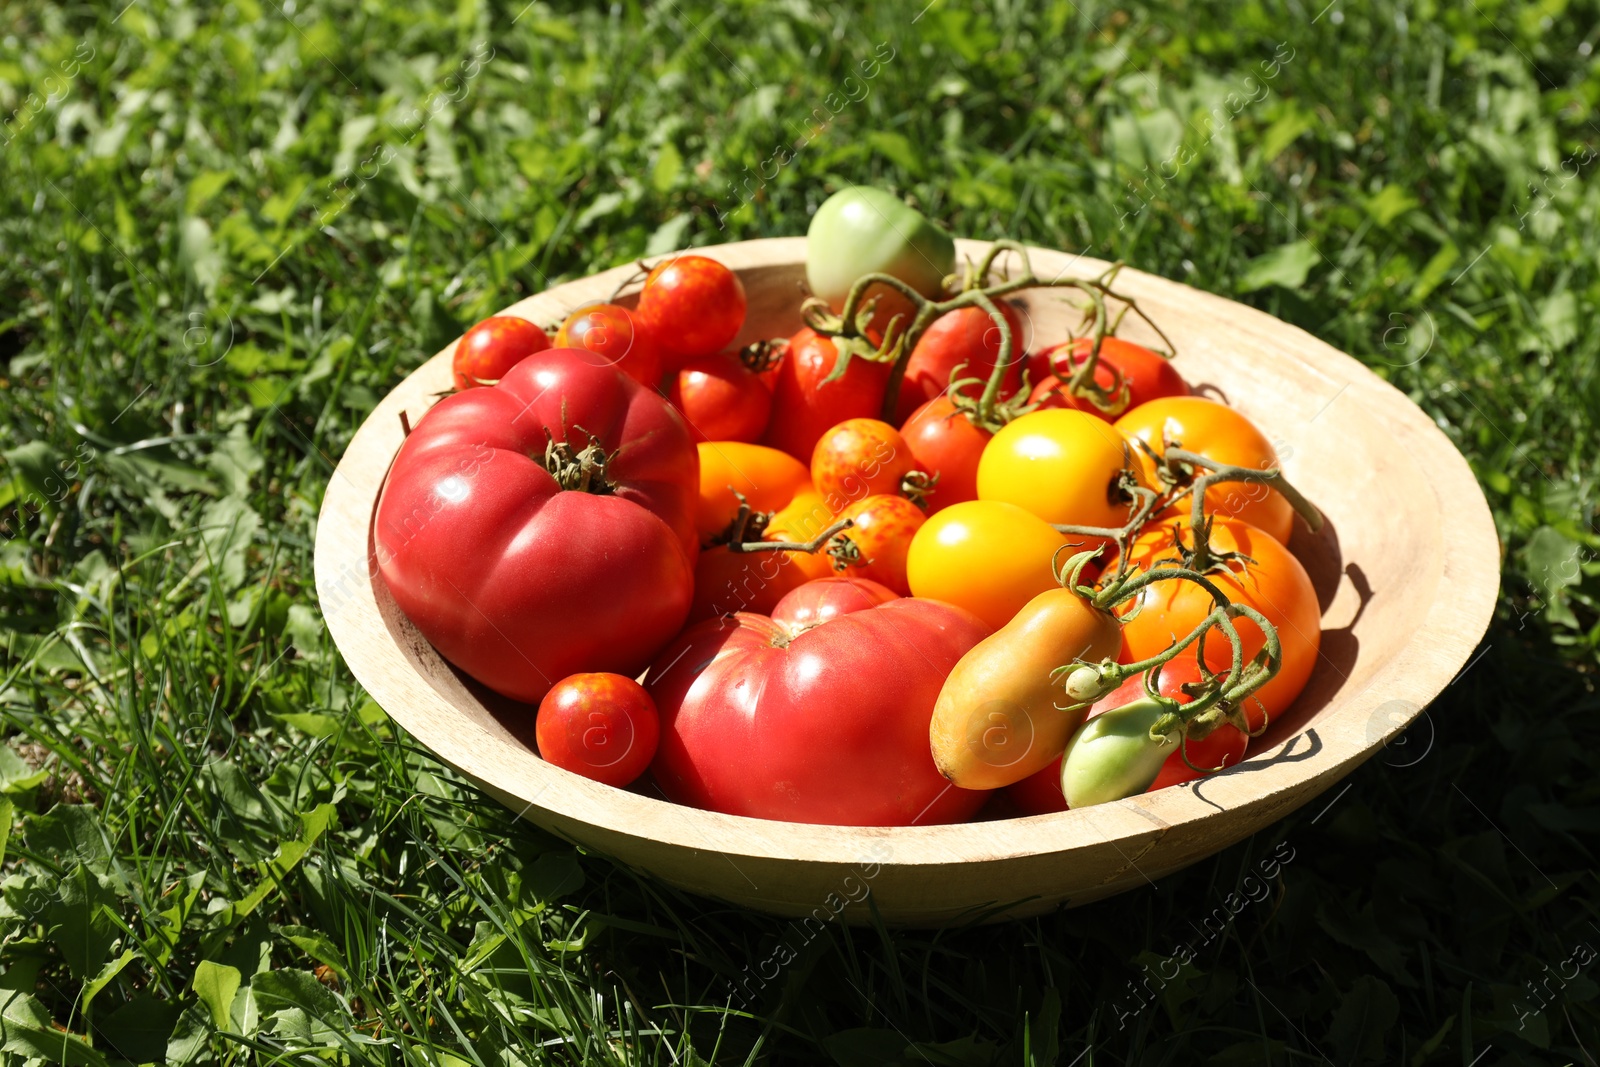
[(964, 343), (884, 527), (986, 556), (1273, 582), (1217, 432), (602, 726), (803, 408), (803, 521), (1061, 465), (692, 306), (769, 480), (612, 333), (491, 348), (860, 458), (721, 399), (1149, 376), (944, 443)]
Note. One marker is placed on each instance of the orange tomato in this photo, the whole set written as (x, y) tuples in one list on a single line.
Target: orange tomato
[(1275, 584), (768, 478), (883, 531), (726, 581), (1217, 432)]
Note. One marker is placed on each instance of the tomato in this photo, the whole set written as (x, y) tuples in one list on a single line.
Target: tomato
[(520, 574), (769, 480), (861, 230), (1217, 432), (1061, 465), (726, 581), (491, 348), (602, 726), (691, 306), (860, 458), (803, 408), (1113, 756), (964, 343), (816, 714), (1149, 376), (721, 399), (1274, 583), (612, 333), (881, 538), (987, 556), (999, 717), (944, 443)]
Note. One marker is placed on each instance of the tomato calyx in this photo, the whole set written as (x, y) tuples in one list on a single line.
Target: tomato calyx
[(917, 485), (578, 470), (761, 356)]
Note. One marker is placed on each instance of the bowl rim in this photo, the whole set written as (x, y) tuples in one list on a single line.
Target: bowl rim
[(1281, 778)]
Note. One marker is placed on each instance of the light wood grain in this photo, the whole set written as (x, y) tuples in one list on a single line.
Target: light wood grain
[(1407, 568)]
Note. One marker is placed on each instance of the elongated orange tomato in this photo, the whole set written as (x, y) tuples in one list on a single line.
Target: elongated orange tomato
[(1217, 432), (1274, 583)]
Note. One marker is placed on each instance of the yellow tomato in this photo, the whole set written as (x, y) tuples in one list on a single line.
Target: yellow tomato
[(1060, 465), (1217, 432), (768, 478), (987, 556), (805, 517)]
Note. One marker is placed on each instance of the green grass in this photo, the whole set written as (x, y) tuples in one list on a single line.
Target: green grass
[(226, 231)]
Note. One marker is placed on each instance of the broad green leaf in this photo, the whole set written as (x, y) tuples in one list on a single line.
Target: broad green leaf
[(318, 946), (216, 984), (1558, 317), (26, 1030), (1284, 132), (553, 875), (78, 924), (1389, 204), (107, 974), (1285, 266), (1552, 561), (69, 834), (206, 184)]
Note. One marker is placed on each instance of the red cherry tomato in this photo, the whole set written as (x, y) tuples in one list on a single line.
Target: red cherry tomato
[(965, 342), (721, 398), (1149, 375), (860, 458), (518, 576), (692, 306), (602, 726), (491, 348), (816, 714), (944, 443), (803, 408), (613, 334), (884, 527)]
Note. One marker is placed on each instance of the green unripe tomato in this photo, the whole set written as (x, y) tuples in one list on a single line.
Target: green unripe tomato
[(860, 230), (1112, 755)]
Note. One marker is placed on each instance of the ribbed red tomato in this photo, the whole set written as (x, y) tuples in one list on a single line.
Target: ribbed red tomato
[(524, 563), (803, 408), (790, 716)]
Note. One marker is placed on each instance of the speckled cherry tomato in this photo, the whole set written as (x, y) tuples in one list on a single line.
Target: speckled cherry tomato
[(882, 534), (692, 306), (612, 333), (860, 458), (602, 726), (491, 348), (721, 399)]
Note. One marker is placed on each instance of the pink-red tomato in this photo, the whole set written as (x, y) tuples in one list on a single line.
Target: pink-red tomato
[(692, 306), (944, 443), (491, 348), (816, 714), (612, 334), (721, 398), (521, 575), (964, 343), (1149, 376), (804, 408), (602, 726)]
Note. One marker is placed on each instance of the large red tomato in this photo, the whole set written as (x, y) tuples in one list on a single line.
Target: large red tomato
[(791, 717), (519, 578), (964, 342), (803, 408)]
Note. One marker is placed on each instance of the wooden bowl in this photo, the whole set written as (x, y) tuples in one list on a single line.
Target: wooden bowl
[(1406, 568)]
